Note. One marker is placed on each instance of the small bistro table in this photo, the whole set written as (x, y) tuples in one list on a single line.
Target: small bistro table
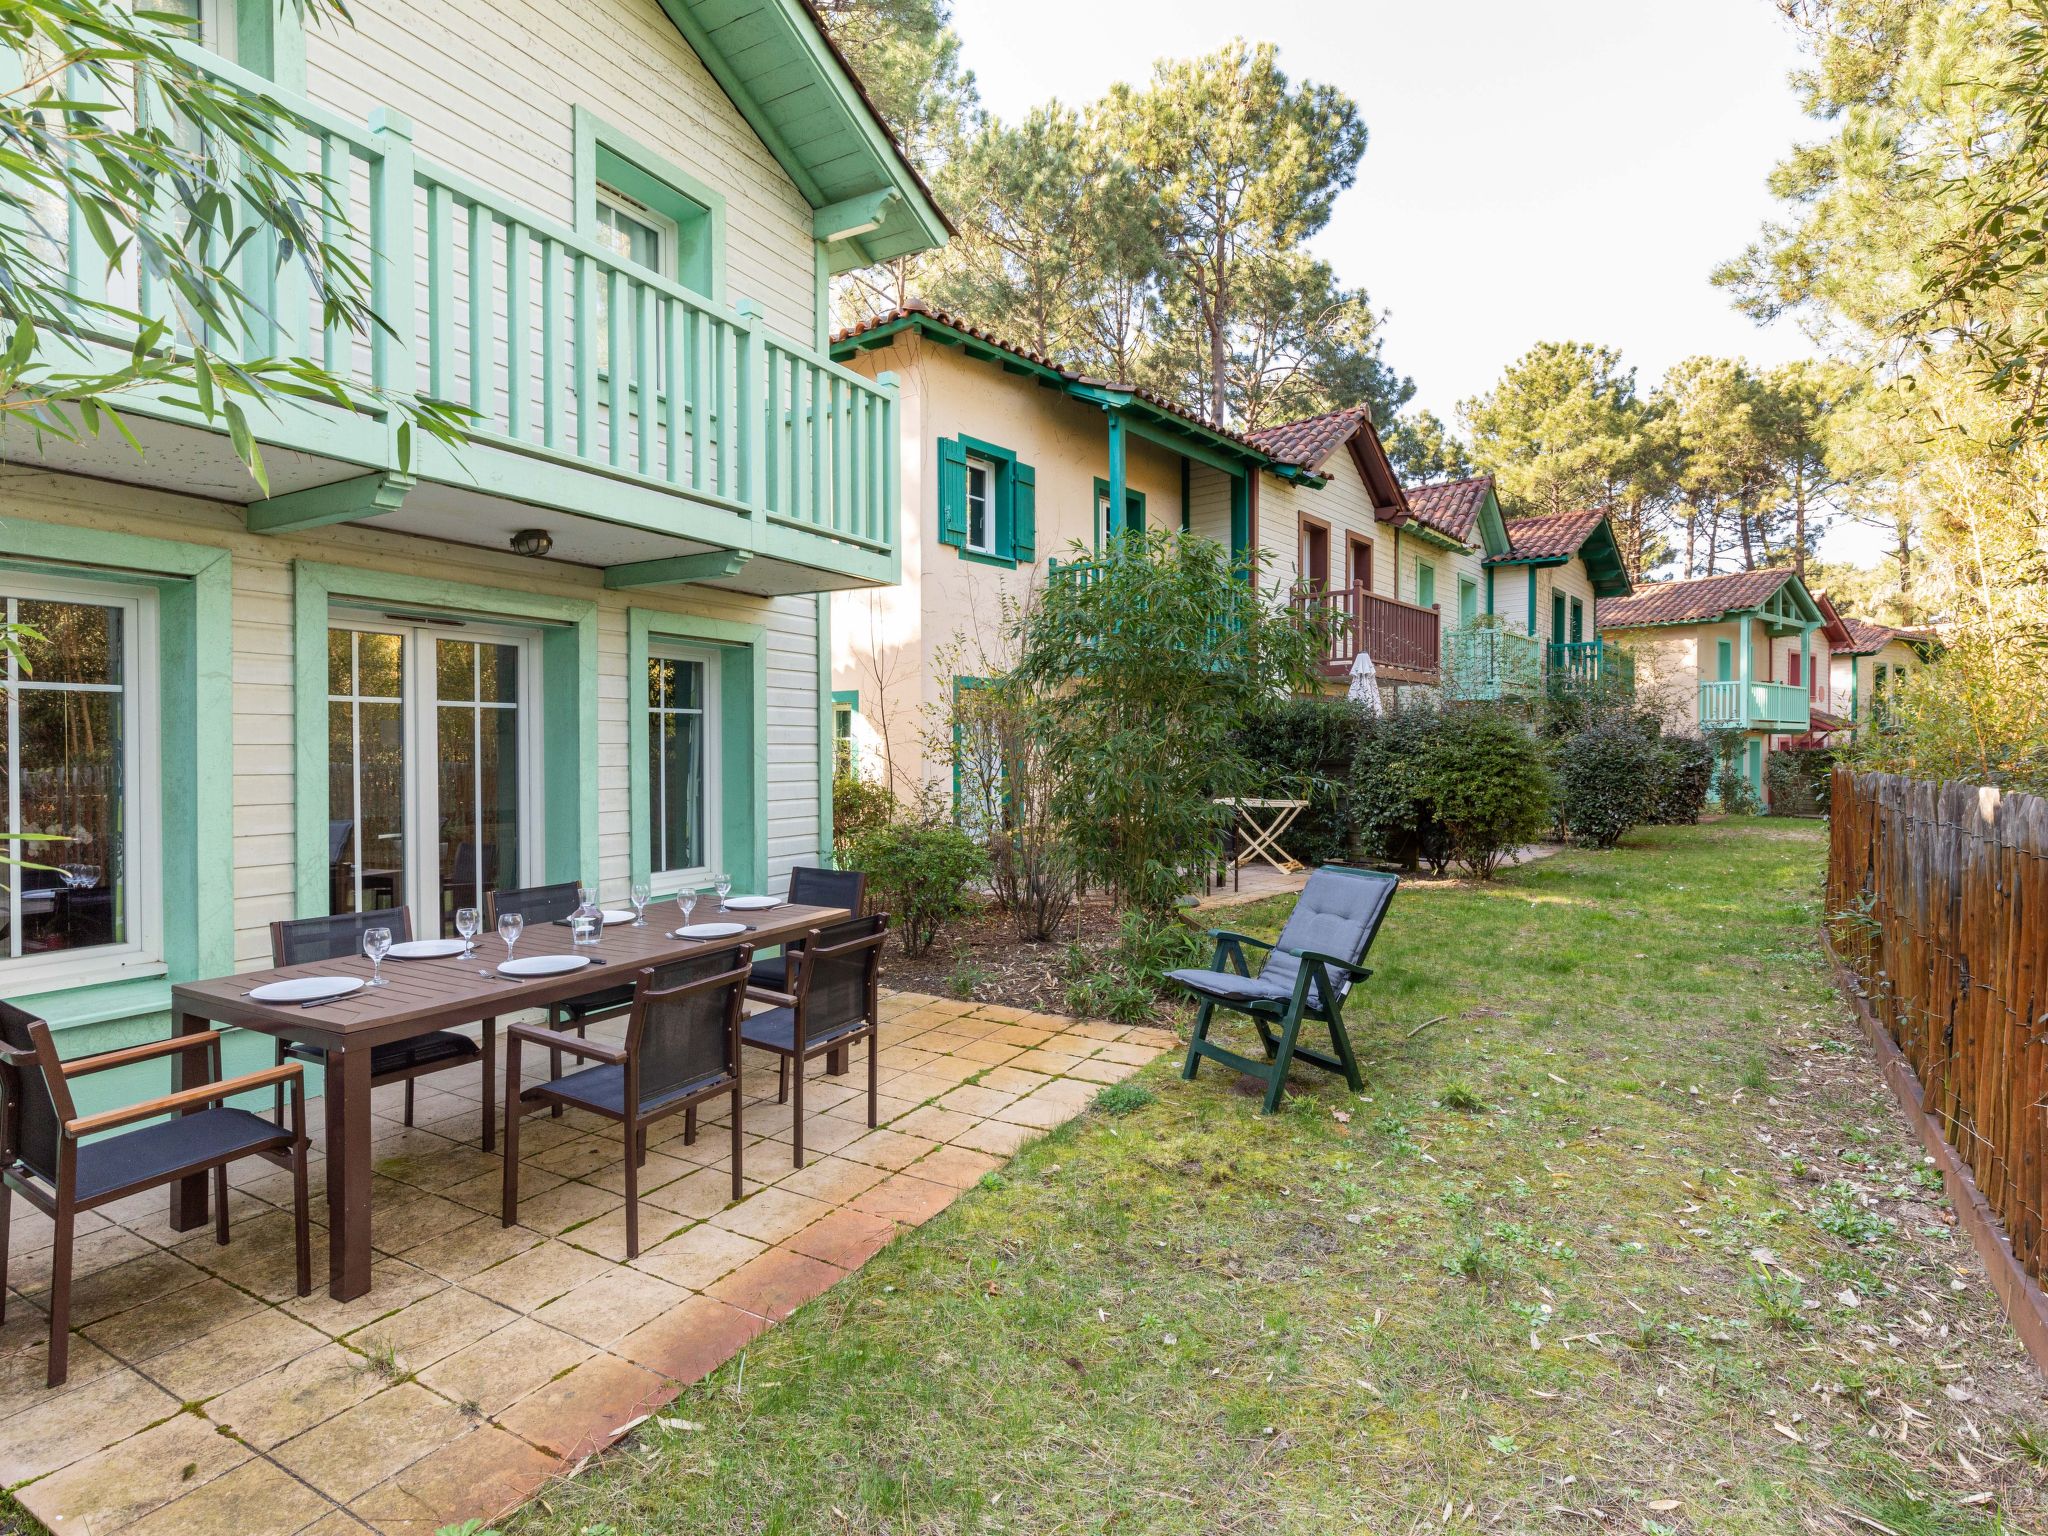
[(424, 995)]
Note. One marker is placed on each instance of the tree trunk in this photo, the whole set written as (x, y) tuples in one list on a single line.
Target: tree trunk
[(1219, 326), (1799, 520)]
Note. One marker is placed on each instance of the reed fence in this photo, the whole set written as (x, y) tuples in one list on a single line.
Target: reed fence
[(1938, 899)]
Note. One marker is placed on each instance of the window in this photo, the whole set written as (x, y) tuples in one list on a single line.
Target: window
[(635, 232), (988, 502), (432, 766), (1314, 556), (1792, 669), (981, 506), (682, 766), (1361, 562), (1557, 629), (1468, 601), (1578, 620), (216, 27), (844, 759), (1425, 585), (1724, 660), (1107, 527), (77, 749), (652, 212)]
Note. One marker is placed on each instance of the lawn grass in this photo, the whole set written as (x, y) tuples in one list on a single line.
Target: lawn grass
[(1623, 1234)]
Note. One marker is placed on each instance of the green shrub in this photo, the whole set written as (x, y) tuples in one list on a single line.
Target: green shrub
[(1798, 780), (1147, 947), (1123, 1098), (918, 872), (1391, 812), (858, 807), (1685, 772), (1732, 788), (1304, 747), (1607, 781), (1484, 776)]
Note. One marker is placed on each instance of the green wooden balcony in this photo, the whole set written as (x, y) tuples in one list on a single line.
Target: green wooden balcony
[(1754, 707), (1484, 663), (1592, 668), (674, 424)]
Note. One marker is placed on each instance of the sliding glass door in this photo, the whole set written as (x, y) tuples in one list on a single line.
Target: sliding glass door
[(432, 771)]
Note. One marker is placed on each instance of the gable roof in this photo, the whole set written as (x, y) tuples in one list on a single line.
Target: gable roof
[(1866, 637), (778, 64), (1310, 441), (1558, 537), (1451, 506), (976, 342), (1698, 601)]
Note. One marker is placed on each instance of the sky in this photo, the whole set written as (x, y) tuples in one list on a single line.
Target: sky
[(1536, 170)]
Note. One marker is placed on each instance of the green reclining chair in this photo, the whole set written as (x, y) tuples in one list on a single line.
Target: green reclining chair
[(1319, 955)]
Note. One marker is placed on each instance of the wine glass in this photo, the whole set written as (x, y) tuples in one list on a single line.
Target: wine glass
[(467, 922), (687, 900), (510, 925), (377, 944), (724, 884), (639, 895)]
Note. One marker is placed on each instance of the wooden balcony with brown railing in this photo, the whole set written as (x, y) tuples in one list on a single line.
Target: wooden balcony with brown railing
[(1404, 641)]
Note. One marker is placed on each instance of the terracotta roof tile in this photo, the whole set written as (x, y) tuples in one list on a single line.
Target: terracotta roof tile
[(1698, 601), (1552, 537), (1865, 637), (1313, 439), (1451, 507)]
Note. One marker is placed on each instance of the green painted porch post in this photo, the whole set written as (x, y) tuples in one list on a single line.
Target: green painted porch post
[(391, 270), (1117, 513), (1241, 518), (1532, 599), (1489, 591), (1743, 716)]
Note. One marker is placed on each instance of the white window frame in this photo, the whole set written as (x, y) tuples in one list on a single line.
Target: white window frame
[(664, 227), (667, 881), (988, 506), (218, 29), (140, 954), (417, 715)]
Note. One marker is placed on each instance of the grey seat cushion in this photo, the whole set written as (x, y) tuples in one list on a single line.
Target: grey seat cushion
[(775, 1030), (1228, 986), (146, 1155), (603, 1088)]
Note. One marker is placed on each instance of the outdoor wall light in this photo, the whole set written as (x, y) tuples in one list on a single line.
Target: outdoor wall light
[(532, 541)]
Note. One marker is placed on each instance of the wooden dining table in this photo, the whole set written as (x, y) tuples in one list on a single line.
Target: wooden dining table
[(423, 996)]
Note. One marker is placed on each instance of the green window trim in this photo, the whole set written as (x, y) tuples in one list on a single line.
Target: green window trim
[(611, 156), (1468, 600), (743, 745), (1557, 618), (1425, 584), (1014, 498), (195, 697), (568, 686), (1578, 620), (1134, 510), (1724, 661)]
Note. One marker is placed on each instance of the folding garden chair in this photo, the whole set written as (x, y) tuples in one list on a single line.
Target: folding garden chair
[(1319, 955)]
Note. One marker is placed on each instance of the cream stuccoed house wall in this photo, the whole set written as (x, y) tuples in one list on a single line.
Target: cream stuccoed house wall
[(1853, 677), (1344, 504)]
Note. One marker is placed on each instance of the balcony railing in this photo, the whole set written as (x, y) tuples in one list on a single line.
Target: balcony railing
[(1592, 667), (1755, 706), (564, 351), (1399, 637), (1486, 662)]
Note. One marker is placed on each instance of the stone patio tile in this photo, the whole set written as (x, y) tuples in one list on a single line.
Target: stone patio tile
[(934, 1123), (562, 1207), (961, 1167), (483, 1474), (120, 1287), (834, 1180), (1092, 1030), (1101, 1071), (1048, 1107), (502, 1367), (659, 1169), (993, 1052), (528, 1280), (1153, 1039), (707, 1191), (120, 1485), (579, 1412), (432, 1328), (827, 1133), (31, 1229), (691, 1340), (905, 1058), (475, 1246), (29, 1273), (995, 1136), (393, 1284), (847, 1238), (771, 1215), (53, 1432), (253, 1499), (450, 1163), (376, 1439), (977, 1099), (1049, 1063), (261, 1257), (1014, 1080), (888, 1148), (903, 1198), (1022, 1034), (573, 1159), (291, 1399), (777, 1283), (1001, 1011), (1127, 1053), (406, 1223), (486, 1192), (695, 1258), (188, 1313), (336, 1522), (606, 1236), (225, 1358), (821, 1093), (887, 1107), (22, 1371), (611, 1305), (148, 1214)]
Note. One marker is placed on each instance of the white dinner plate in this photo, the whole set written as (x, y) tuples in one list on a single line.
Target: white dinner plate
[(709, 931), (543, 965), (614, 915), (427, 949), (750, 903), (306, 989)]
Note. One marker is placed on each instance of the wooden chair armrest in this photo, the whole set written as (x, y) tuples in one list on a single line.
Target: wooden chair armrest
[(770, 995), (14, 1056), (134, 1053), (190, 1098), (562, 1040)]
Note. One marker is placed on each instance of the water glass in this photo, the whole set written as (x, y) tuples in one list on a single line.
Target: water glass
[(687, 900), (377, 944), (468, 922), (639, 895), (724, 884), (510, 925)]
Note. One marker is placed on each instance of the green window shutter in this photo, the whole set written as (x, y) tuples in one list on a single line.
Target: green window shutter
[(952, 492), (1023, 513), (1724, 660), (1425, 585), (1578, 621), (1557, 617)]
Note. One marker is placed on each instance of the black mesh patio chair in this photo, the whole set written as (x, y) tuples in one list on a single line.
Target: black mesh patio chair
[(1319, 956), (302, 940), (809, 887), (552, 904), (46, 1158), (832, 1004), (682, 1047)]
